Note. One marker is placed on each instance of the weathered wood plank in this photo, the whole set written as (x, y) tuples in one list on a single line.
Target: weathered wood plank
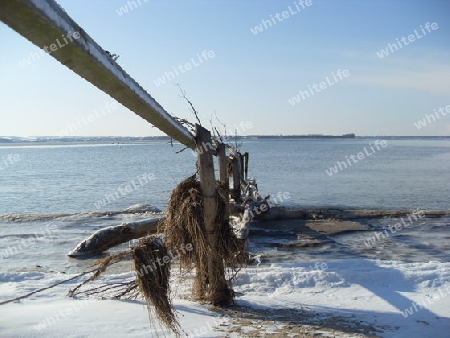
[(45, 23)]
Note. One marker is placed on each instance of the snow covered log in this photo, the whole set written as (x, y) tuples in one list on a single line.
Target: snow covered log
[(109, 237)]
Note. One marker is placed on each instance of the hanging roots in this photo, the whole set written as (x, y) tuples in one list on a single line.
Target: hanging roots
[(101, 266), (231, 249), (184, 222), (185, 225), (153, 280), (152, 273)]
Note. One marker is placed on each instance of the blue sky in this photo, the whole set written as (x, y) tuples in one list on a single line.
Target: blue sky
[(251, 77)]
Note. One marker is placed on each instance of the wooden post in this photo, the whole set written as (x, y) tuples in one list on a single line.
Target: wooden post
[(241, 165), (246, 165), (236, 179), (218, 291), (223, 177), (223, 174)]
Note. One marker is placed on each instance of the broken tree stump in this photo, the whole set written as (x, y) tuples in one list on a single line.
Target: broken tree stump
[(218, 291)]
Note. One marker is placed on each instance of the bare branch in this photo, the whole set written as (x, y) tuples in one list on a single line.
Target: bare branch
[(183, 95), (180, 151), (222, 124)]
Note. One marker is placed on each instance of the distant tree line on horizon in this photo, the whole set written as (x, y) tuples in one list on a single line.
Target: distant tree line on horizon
[(119, 139)]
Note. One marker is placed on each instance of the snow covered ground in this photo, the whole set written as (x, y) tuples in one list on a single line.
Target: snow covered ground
[(343, 298)]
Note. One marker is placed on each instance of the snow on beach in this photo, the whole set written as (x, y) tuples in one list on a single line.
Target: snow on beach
[(342, 298), (342, 288), (53, 314), (370, 294)]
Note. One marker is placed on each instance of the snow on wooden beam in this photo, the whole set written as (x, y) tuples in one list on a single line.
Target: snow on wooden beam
[(49, 27)]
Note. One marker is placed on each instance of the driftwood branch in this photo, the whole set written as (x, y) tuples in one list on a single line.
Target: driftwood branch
[(106, 238)]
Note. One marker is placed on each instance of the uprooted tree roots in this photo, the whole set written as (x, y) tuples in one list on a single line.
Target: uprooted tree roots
[(153, 280), (184, 224), (183, 228)]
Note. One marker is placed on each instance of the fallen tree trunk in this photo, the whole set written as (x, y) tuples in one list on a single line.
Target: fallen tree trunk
[(106, 238)]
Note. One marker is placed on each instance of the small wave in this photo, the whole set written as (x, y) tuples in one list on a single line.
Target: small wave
[(134, 209), (25, 236)]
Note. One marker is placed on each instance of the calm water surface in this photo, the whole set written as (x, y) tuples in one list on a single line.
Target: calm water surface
[(62, 179)]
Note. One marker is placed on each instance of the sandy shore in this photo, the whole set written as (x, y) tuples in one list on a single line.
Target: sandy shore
[(279, 323)]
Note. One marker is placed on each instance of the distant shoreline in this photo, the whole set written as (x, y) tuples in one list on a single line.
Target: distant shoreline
[(15, 140)]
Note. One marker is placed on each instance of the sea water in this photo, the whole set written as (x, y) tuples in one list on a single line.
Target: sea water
[(52, 196)]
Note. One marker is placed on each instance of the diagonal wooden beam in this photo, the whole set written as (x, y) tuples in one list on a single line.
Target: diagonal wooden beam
[(49, 27)]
